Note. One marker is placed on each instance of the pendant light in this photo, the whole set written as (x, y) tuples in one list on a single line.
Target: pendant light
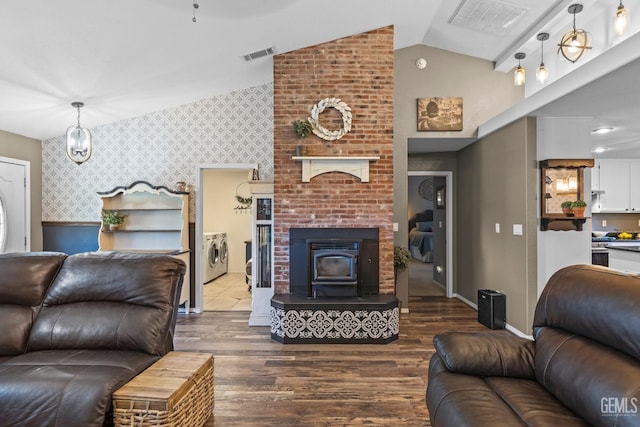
[(542, 73), (575, 42), (520, 75), (622, 19), (78, 139)]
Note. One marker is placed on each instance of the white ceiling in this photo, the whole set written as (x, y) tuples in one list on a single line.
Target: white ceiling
[(126, 58)]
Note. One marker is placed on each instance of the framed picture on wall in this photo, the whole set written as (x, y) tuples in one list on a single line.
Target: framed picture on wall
[(440, 197), (439, 114)]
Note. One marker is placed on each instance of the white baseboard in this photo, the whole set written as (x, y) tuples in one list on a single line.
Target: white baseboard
[(508, 327)]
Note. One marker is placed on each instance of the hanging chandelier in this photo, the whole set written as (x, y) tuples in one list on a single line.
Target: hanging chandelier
[(622, 19), (520, 75), (78, 140), (575, 42), (542, 73)]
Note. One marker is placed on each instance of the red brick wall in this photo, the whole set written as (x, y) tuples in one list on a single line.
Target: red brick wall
[(359, 71)]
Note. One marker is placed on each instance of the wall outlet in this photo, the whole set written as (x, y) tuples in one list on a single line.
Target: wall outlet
[(395, 226), (497, 228), (604, 222)]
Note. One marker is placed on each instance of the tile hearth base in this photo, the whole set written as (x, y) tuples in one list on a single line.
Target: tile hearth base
[(372, 319)]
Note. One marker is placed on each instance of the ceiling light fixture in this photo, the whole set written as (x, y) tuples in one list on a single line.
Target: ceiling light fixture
[(603, 130), (78, 139), (520, 75), (542, 73), (599, 150), (195, 6), (575, 42), (622, 19)]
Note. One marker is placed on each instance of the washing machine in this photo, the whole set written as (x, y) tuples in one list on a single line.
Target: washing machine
[(215, 254)]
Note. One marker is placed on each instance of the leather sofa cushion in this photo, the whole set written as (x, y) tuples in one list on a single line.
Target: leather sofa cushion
[(594, 302), (448, 393), (65, 387), (485, 354), (116, 301), (24, 281), (581, 373), (532, 403)]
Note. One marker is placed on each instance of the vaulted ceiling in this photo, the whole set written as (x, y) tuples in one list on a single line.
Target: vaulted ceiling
[(126, 58)]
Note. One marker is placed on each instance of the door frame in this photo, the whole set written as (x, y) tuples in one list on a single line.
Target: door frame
[(27, 197), (449, 215), (200, 170)]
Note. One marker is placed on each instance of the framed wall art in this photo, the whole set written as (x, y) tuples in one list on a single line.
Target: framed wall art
[(439, 114)]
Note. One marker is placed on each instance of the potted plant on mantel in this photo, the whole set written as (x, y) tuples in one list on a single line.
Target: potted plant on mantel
[(566, 208), (578, 208), (302, 128), (111, 219)]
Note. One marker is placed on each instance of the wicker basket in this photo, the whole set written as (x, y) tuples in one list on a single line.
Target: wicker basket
[(175, 391)]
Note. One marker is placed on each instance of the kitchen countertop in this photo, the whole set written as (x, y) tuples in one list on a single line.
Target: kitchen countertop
[(626, 248)]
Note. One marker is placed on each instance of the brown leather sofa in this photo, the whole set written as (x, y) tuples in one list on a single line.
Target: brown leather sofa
[(583, 367), (76, 328)]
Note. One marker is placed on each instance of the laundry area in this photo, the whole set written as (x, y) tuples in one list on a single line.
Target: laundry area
[(226, 224)]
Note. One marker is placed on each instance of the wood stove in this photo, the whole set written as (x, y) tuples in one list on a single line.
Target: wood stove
[(333, 262)]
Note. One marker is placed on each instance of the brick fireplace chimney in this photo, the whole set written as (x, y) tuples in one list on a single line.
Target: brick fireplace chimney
[(359, 71)]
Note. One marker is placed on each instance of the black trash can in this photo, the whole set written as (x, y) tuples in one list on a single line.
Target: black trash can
[(492, 310)]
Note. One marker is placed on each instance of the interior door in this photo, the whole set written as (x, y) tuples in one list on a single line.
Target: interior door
[(13, 207)]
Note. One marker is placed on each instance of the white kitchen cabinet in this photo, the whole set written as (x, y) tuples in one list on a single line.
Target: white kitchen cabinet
[(617, 185)]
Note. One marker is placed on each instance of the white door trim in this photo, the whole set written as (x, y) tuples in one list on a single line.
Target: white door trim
[(27, 199), (449, 205), (200, 169)]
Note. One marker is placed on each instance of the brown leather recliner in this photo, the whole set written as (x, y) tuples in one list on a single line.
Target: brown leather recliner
[(77, 328), (583, 367)]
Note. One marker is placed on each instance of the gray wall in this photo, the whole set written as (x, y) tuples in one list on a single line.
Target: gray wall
[(485, 94), (497, 183), (23, 148)]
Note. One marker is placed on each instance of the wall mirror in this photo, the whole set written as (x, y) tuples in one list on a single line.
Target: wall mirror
[(562, 182)]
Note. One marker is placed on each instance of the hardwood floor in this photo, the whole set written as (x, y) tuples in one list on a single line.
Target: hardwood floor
[(260, 382)]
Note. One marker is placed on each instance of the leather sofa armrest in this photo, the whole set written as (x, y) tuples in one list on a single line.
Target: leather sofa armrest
[(486, 355)]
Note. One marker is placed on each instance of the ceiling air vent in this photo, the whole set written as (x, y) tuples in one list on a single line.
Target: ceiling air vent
[(258, 54), (495, 17)]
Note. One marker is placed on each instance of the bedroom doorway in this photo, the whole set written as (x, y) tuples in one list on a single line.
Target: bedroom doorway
[(430, 215)]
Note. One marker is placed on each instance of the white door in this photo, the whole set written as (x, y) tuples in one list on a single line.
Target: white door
[(13, 207)]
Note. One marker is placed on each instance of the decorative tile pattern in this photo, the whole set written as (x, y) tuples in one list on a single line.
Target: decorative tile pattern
[(300, 325), (162, 148)]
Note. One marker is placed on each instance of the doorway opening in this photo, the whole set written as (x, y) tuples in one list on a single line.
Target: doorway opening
[(15, 206), (222, 235), (430, 224)]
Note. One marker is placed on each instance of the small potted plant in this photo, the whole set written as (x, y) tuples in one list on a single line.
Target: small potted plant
[(401, 259), (111, 219), (578, 208), (566, 208)]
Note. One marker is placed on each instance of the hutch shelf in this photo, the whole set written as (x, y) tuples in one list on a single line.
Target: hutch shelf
[(156, 222)]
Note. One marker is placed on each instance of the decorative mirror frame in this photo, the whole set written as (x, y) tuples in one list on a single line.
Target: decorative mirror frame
[(551, 215)]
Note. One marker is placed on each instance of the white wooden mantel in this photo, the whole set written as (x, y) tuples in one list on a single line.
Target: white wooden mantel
[(316, 165)]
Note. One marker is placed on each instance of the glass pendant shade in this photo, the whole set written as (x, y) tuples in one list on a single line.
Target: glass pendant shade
[(520, 76), (78, 140), (622, 20), (542, 73)]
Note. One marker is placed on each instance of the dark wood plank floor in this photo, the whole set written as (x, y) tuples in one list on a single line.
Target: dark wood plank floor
[(260, 382)]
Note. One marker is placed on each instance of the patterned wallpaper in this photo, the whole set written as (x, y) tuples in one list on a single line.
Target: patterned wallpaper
[(162, 148)]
